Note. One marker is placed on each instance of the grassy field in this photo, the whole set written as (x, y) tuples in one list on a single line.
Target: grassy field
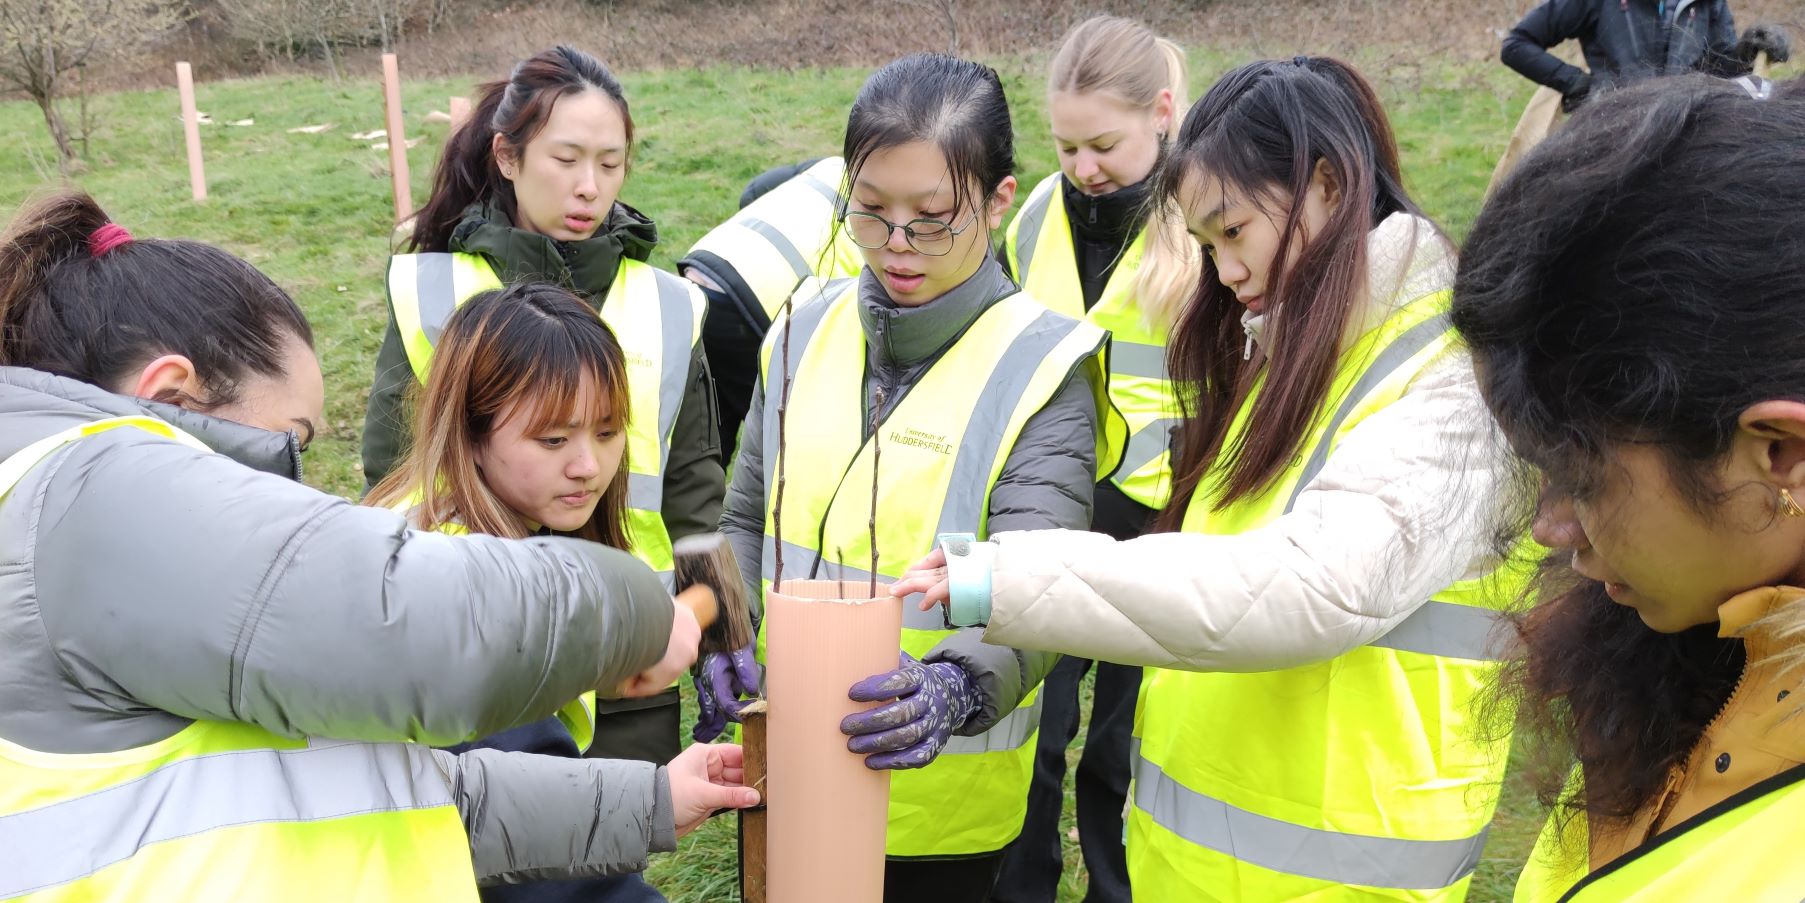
[(313, 211)]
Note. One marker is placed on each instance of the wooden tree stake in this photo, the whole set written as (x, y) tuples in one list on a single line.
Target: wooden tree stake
[(191, 130), (752, 821)]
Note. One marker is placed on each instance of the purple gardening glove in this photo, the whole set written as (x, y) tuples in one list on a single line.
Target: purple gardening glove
[(932, 701), (721, 679)]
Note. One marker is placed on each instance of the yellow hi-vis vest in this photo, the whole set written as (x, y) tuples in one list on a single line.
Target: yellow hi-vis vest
[(789, 235), (1744, 848), (942, 448), (221, 812), (1039, 245), (1356, 778), (577, 716), (656, 316)]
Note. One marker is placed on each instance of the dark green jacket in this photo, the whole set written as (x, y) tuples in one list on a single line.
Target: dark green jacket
[(694, 483)]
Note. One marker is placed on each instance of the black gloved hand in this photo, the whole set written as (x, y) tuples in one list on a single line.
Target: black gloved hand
[(1763, 38), (1576, 95)]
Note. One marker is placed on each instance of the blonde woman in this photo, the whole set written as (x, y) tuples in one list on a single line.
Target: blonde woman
[(1086, 244)]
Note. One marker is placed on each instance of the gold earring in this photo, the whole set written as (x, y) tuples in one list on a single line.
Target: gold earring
[(1788, 506)]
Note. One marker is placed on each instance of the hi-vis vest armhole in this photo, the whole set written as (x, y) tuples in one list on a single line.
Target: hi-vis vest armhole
[(1436, 628), (424, 290)]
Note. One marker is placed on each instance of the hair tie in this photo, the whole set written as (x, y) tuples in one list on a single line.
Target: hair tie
[(106, 238), (1299, 61)]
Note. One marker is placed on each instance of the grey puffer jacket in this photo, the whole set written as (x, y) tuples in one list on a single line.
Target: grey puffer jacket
[(145, 584), (1047, 482)]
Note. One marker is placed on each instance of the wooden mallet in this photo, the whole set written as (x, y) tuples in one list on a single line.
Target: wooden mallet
[(708, 582)]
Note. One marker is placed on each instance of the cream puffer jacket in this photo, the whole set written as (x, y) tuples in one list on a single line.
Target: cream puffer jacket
[(1406, 505)]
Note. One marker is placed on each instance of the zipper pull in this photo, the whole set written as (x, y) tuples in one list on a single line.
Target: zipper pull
[(1247, 350)]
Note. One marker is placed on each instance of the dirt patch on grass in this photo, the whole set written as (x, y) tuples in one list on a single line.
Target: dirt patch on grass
[(487, 37)]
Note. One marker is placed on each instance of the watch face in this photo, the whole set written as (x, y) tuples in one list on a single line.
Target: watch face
[(956, 545)]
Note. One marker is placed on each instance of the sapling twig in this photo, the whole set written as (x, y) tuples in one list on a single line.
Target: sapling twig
[(783, 409), (877, 448)]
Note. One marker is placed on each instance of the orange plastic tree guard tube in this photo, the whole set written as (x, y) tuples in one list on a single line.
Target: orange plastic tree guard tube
[(827, 811)]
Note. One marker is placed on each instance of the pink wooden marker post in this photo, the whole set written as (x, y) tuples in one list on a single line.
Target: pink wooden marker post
[(391, 96), (191, 129)]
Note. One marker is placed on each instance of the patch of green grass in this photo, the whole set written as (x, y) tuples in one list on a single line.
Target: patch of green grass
[(313, 211)]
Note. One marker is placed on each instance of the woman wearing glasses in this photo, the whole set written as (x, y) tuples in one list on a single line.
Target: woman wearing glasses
[(981, 409)]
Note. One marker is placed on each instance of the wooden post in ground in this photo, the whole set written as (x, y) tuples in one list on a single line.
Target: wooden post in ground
[(752, 821), (391, 96), (460, 111), (191, 130)]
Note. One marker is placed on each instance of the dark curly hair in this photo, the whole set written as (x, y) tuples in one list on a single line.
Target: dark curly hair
[(1638, 278)]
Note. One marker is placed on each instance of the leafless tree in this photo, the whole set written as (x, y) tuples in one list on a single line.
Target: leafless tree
[(290, 28), (42, 41)]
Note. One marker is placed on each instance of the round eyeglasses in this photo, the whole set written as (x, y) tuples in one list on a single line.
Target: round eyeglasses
[(927, 236)]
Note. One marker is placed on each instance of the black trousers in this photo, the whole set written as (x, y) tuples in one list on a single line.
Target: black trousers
[(964, 880), (1032, 864), (648, 733)]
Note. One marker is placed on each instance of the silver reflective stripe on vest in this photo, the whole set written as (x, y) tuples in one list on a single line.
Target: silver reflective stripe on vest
[(675, 316), (644, 491), (792, 256), (982, 443), (1027, 235), (1012, 732), (70, 840), (1445, 629), (821, 188), (1136, 359), (1292, 849), (1395, 355), (1148, 443), (436, 290)]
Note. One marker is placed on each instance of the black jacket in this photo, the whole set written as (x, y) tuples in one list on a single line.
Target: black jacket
[(1102, 228), (1623, 41)]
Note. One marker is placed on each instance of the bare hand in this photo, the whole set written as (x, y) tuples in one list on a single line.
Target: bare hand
[(928, 577), (707, 777), (679, 654)]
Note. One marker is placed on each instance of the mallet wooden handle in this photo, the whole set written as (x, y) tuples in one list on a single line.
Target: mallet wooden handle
[(701, 602)]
